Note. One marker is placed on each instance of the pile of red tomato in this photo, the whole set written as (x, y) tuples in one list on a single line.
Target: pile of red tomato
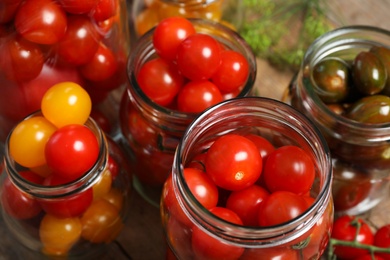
[(56, 148), (246, 180), (360, 241), (192, 71), (44, 42)]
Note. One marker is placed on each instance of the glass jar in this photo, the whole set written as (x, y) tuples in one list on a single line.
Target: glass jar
[(148, 13), (75, 220), (360, 151), (304, 237), (84, 43), (152, 132)]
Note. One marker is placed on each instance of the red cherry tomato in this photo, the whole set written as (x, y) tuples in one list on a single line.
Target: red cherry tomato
[(80, 42), (233, 162), (172, 205), (280, 207), (17, 203), (168, 35), (345, 228), (202, 187), (8, 11), (78, 6), (246, 203), (104, 10), (232, 73), (68, 207), (71, 151), (32, 22), (160, 81), (289, 168), (102, 65), (265, 147), (382, 239), (198, 56), (101, 119), (21, 60), (205, 246), (197, 96)]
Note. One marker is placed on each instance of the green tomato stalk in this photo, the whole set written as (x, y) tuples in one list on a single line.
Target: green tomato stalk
[(281, 31), (355, 244)]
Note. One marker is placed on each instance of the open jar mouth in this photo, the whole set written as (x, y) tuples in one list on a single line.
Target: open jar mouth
[(273, 116), (144, 51), (343, 43), (59, 191)]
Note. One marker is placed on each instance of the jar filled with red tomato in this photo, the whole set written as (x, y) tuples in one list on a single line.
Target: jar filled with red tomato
[(342, 86), (251, 179), (160, 101), (44, 42), (145, 14), (53, 215)]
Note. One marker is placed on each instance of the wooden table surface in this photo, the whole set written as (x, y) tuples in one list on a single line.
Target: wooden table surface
[(142, 237)]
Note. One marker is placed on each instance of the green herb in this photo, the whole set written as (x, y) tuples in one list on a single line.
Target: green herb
[(281, 31)]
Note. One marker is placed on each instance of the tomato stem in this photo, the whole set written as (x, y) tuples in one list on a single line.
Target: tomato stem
[(371, 248)]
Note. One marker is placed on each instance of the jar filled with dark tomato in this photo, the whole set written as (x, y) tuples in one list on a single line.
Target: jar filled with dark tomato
[(343, 87), (44, 42), (165, 93), (256, 185), (53, 213), (145, 14)]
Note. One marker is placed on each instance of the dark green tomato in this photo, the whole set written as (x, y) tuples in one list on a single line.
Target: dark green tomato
[(371, 109), (369, 73), (331, 78), (383, 54)]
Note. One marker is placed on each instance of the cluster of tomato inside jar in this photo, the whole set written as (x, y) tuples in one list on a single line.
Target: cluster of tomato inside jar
[(247, 181), (56, 148), (357, 89), (44, 42), (155, 11), (192, 70)]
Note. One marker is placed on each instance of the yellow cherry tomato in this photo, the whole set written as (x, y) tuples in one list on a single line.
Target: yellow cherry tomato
[(115, 197), (58, 235), (103, 185), (28, 139), (101, 222), (66, 103)]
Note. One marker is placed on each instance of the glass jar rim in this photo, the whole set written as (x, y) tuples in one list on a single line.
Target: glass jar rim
[(252, 236), (52, 192)]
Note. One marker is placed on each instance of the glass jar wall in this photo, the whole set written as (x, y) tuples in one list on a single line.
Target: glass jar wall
[(195, 232), (151, 132), (86, 43), (359, 149), (77, 219), (145, 14)]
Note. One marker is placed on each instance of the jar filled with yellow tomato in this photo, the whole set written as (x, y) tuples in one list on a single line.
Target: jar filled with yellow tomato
[(146, 14), (65, 187)]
